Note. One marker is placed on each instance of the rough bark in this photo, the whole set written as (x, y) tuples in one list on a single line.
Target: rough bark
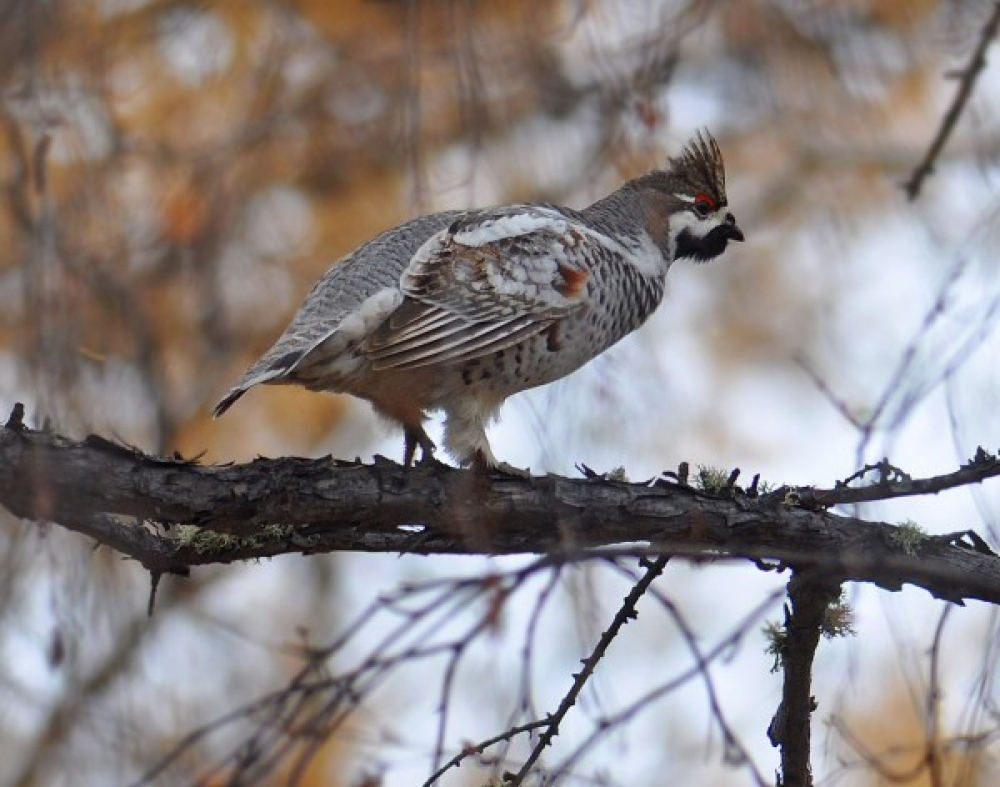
[(171, 514), (809, 598)]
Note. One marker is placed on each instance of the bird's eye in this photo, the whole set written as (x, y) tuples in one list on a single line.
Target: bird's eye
[(704, 204)]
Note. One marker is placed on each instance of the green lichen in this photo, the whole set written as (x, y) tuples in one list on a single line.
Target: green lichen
[(275, 533), (205, 542), (765, 487), (838, 620), (712, 479), (908, 536), (776, 636), (618, 474)]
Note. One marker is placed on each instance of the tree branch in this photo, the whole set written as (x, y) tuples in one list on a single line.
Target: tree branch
[(893, 482), (145, 507), (966, 81), (473, 749), (808, 600), (626, 612)]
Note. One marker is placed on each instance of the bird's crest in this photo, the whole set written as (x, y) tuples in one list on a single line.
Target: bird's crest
[(699, 167)]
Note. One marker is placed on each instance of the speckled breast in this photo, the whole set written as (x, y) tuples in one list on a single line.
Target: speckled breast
[(619, 300)]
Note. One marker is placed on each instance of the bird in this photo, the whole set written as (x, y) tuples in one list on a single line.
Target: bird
[(458, 310)]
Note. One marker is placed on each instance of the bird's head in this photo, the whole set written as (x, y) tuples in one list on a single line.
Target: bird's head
[(687, 210)]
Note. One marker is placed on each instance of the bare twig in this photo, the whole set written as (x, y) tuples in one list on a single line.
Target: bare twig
[(626, 612), (895, 388), (935, 749), (526, 702), (966, 81), (897, 484), (482, 746), (288, 727), (718, 652), (735, 752), (885, 763), (836, 402)]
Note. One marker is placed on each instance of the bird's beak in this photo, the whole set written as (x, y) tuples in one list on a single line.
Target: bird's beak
[(733, 232)]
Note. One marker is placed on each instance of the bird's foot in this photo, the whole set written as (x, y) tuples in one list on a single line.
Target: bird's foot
[(484, 465), (427, 459), (416, 437)]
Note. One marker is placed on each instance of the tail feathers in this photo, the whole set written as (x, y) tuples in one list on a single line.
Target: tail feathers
[(249, 381), (265, 370), (228, 401)]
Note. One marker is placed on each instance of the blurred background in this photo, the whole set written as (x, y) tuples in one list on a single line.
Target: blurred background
[(177, 174)]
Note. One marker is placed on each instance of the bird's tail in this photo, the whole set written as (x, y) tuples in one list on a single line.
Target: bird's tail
[(267, 370), (228, 400), (250, 379)]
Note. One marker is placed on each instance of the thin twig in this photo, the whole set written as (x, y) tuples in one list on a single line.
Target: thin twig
[(722, 650), (967, 80), (838, 404), (526, 701), (626, 613), (934, 315), (482, 746), (935, 749), (982, 466), (735, 752)]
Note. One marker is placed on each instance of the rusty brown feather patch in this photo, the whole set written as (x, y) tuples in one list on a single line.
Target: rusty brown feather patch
[(572, 283)]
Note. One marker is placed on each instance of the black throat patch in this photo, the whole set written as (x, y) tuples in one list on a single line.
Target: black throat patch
[(705, 248)]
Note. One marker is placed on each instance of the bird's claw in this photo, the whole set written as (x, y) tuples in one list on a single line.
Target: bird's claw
[(502, 468), (484, 466)]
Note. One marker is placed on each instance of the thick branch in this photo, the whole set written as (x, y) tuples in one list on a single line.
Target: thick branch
[(125, 499)]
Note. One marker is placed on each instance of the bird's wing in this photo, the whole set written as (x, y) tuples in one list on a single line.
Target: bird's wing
[(488, 281)]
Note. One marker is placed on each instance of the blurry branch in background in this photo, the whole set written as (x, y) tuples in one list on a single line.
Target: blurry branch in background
[(627, 612), (736, 754), (966, 81), (289, 725), (285, 728), (114, 668), (923, 366)]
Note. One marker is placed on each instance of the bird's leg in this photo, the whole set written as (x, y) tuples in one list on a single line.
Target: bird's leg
[(465, 439), (409, 446), (427, 449), (416, 436)]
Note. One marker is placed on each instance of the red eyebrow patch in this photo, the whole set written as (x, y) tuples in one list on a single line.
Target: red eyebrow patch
[(702, 199)]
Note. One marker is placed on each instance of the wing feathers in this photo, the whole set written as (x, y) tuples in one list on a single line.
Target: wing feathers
[(475, 341), (408, 324), (485, 283)]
